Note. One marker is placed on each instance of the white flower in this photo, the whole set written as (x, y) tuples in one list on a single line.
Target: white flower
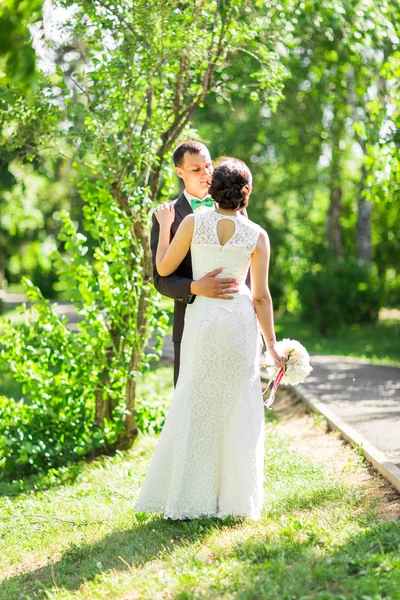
[(297, 366)]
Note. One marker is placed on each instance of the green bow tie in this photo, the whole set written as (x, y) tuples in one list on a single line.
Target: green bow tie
[(195, 203)]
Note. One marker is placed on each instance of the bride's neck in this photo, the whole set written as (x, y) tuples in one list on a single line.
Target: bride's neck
[(225, 211)]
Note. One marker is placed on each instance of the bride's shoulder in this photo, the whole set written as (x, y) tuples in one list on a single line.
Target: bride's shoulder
[(251, 224), (189, 219), (257, 234)]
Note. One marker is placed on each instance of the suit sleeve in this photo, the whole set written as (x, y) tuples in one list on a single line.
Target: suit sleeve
[(173, 286)]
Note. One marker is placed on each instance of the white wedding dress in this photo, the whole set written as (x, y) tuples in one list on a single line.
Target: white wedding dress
[(210, 455)]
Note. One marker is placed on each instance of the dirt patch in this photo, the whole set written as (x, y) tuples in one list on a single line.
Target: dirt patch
[(312, 437)]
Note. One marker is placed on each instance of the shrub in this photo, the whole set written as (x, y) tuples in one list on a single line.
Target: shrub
[(59, 370), (340, 292), (75, 384), (153, 400), (392, 289), (35, 437)]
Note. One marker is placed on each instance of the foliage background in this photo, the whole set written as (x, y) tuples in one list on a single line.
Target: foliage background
[(306, 93)]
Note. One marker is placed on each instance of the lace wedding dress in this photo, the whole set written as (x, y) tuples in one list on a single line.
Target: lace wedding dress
[(210, 454)]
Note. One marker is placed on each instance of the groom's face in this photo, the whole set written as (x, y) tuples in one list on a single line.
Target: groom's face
[(196, 171)]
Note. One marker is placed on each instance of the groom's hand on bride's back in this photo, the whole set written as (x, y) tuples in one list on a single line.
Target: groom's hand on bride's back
[(215, 287)]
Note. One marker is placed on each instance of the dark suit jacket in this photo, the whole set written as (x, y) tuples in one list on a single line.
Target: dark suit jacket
[(177, 285)]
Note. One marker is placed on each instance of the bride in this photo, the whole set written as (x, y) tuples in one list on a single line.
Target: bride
[(210, 455)]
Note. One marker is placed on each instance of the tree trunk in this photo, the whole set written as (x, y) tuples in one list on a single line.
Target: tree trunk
[(128, 436), (131, 431), (333, 229), (2, 274), (103, 407), (2, 256), (141, 234), (364, 247), (363, 232), (363, 227), (334, 233)]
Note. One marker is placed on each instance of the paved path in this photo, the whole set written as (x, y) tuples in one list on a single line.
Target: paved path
[(365, 396)]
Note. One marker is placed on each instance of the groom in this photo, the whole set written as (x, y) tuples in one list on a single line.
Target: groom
[(194, 166)]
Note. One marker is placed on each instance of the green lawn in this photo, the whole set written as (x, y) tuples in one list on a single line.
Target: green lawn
[(377, 342), (74, 534)]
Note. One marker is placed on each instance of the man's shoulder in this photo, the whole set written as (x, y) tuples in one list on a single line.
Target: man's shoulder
[(175, 200), (170, 203)]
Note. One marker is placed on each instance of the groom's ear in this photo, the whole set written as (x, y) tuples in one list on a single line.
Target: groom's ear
[(179, 172)]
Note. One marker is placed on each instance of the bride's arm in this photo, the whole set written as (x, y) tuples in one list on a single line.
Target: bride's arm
[(261, 294), (170, 255)]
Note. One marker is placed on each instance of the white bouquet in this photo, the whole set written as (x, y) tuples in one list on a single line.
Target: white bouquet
[(296, 369)]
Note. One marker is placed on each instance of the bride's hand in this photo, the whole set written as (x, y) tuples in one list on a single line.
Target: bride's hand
[(165, 214), (278, 358)]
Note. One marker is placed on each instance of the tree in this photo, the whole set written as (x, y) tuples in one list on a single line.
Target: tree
[(143, 70), (380, 134), (16, 49), (307, 156)]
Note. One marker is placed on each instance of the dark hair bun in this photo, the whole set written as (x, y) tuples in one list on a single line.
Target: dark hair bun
[(231, 183)]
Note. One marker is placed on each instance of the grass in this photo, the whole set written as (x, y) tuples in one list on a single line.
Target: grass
[(74, 534), (378, 342)]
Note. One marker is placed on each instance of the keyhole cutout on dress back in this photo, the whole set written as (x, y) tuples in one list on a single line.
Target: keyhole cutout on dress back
[(225, 230)]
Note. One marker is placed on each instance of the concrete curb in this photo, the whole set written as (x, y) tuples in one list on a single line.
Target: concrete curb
[(377, 458)]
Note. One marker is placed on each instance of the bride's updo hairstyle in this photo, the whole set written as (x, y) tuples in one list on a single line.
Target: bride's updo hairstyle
[(231, 183)]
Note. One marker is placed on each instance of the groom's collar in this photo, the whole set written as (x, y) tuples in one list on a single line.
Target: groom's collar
[(182, 206), (190, 197)]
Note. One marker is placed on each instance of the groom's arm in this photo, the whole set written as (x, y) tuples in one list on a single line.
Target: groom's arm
[(173, 286)]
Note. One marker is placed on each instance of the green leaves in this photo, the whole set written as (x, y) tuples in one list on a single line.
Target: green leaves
[(340, 292), (126, 84), (15, 44)]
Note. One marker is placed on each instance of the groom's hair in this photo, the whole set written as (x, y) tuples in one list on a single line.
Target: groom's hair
[(190, 146)]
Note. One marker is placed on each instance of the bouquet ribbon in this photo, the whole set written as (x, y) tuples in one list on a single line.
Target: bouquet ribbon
[(295, 370), (276, 381)]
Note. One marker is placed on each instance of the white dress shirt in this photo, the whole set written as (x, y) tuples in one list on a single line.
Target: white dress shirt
[(199, 209)]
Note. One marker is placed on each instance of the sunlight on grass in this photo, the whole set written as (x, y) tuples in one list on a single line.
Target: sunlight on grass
[(78, 536), (377, 342)]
